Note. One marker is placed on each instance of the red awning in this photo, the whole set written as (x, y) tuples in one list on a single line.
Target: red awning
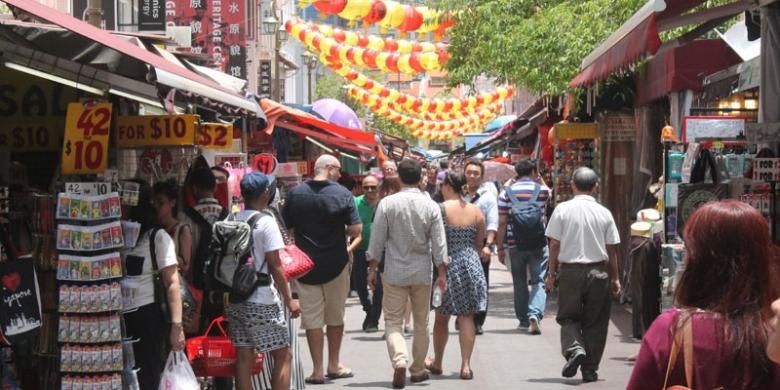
[(107, 39), (309, 125), (683, 68), (640, 42)]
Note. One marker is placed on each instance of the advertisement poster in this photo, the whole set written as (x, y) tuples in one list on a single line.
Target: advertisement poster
[(20, 310), (151, 16), (218, 29)]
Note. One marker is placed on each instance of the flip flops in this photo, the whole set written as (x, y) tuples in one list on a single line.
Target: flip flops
[(343, 373), (314, 381)]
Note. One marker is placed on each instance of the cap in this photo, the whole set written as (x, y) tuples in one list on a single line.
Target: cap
[(255, 184)]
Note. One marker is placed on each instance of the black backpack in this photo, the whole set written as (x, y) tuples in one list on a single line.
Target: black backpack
[(203, 250), (527, 220)]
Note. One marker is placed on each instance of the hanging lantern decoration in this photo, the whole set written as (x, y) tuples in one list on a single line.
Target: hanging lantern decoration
[(329, 7), (376, 14)]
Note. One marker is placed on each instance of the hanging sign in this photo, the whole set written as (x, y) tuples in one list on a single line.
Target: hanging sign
[(708, 127), (85, 148), (155, 130), (215, 136), (265, 163)]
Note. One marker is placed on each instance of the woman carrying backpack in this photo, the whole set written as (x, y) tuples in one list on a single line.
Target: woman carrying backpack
[(258, 323), (145, 323)]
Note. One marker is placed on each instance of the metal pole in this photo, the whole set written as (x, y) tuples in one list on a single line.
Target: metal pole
[(94, 13), (309, 68), (277, 95)]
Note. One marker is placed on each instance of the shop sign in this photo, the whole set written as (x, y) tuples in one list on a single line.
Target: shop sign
[(619, 128), (151, 16), (32, 112), (215, 136), (265, 163), (709, 127), (576, 131), (155, 130), (91, 188), (303, 168), (85, 148)]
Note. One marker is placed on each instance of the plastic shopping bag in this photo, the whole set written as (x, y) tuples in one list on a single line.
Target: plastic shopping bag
[(178, 374)]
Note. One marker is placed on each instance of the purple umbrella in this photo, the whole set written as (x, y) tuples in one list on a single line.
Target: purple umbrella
[(337, 113)]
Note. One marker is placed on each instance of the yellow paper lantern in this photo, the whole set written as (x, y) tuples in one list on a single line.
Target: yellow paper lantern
[(356, 9)]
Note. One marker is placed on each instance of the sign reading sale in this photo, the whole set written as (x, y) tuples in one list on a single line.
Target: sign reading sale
[(155, 130), (85, 147), (215, 136)]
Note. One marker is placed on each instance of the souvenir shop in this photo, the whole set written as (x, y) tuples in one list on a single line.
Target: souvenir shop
[(71, 134)]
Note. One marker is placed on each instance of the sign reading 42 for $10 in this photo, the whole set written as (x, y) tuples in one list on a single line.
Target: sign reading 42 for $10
[(85, 147)]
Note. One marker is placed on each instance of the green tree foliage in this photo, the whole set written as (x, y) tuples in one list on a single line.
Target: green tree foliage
[(390, 127), (537, 44)]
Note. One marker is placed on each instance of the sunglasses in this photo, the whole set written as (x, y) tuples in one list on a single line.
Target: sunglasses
[(370, 188)]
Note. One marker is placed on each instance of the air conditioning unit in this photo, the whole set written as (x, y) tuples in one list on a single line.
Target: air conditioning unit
[(181, 34)]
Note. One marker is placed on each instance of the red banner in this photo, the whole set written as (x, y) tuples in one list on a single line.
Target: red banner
[(218, 29)]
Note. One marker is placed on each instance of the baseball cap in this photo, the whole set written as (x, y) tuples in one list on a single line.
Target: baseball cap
[(255, 184)]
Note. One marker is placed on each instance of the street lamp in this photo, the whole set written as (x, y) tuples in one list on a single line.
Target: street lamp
[(310, 60), (273, 27)]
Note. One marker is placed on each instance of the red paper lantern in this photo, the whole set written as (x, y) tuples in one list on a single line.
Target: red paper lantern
[(414, 62), (369, 57), (339, 35), (330, 7), (391, 44), (413, 19), (362, 40), (416, 47), (377, 12), (385, 92), (392, 62)]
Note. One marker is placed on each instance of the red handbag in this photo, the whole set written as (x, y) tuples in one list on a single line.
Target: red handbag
[(295, 262), (215, 356)]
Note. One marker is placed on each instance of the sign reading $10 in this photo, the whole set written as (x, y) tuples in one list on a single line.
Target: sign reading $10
[(156, 130)]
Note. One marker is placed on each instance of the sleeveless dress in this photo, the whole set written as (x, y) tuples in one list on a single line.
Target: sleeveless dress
[(466, 286)]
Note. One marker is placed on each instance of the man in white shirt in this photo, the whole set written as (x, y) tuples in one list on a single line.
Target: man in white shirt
[(584, 262)]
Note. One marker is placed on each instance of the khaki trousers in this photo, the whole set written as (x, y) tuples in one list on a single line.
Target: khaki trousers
[(394, 305)]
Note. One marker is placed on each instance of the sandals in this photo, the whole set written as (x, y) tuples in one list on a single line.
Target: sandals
[(342, 374), (467, 377), (430, 367), (314, 381)]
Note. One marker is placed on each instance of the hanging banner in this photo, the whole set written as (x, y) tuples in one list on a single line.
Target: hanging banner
[(151, 15), (218, 30), (85, 148), (155, 130), (215, 136)]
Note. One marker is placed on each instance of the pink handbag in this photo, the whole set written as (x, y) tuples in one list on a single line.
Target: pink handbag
[(295, 262)]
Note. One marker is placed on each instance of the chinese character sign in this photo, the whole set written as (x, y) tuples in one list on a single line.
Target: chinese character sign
[(218, 29)]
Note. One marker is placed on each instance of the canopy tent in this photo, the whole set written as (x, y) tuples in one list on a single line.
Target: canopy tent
[(308, 125)]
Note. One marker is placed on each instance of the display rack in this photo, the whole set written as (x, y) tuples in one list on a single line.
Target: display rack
[(89, 266), (576, 145)]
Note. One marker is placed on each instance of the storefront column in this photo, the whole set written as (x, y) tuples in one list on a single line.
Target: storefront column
[(770, 63)]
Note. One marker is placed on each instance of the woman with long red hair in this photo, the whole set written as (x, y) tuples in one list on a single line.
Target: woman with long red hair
[(730, 279)]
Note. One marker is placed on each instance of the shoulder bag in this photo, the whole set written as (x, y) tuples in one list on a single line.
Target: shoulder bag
[(295, 262), (683, 338), (695, 194), (160, 292)]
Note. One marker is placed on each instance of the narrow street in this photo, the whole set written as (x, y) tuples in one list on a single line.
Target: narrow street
[(504, 357)]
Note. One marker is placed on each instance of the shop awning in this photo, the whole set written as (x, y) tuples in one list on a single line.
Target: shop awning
[(683, 68), (638, 37), (309, 125), (167, 73)]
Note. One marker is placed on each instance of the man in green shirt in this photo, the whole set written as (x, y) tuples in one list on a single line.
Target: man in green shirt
[(372, 305)]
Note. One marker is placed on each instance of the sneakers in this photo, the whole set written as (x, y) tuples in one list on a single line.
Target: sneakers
[(533, 326), (589, 376), (573, 364)]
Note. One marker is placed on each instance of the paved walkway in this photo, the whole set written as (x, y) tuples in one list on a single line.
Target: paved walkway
[(504, 357)]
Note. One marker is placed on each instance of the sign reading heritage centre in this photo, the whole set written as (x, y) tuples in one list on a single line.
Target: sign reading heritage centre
[(155, 130)]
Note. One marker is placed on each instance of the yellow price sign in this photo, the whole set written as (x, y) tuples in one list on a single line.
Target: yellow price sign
[(215, 136), (85, 147), (155, 130)]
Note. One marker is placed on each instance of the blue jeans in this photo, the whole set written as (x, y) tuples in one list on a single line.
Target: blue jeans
[(523, 262)]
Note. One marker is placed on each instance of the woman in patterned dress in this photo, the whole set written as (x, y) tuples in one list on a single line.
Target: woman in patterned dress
[(466, 288)]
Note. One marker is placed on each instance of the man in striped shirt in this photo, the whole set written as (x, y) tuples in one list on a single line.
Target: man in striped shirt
[(524, 258)]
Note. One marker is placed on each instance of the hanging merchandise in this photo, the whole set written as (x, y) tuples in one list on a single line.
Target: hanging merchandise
[(695, 194), (576, 145)]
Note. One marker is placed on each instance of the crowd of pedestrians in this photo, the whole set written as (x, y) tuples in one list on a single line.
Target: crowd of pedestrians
[(420, 239)]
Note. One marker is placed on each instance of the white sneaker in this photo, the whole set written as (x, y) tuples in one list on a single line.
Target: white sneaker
[(533, 326)]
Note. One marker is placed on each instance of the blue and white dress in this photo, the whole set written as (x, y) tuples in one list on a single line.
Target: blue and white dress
[(466, 286)]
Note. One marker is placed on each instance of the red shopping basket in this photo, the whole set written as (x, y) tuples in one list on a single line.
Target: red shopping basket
[(215, 356)]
